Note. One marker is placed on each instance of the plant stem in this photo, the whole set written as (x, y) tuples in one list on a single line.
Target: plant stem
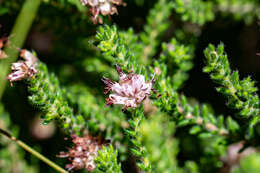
[(17, 37), (34, 152), (199, 121)]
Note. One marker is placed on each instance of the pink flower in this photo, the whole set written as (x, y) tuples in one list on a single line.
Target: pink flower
[(104, 7), (24, 69), (130, 91), (82, 154)]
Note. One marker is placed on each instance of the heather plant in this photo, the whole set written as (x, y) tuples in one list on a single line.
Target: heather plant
[(116, 79)]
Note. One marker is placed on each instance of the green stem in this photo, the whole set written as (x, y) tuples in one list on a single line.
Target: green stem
[(17, 37), (34, 152)]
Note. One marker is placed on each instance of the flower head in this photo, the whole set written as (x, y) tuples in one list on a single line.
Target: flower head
[(25, 68), (104, 7), (82, 154), (130, 91)]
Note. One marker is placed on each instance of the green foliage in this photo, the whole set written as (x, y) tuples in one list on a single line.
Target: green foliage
[(8, 7), (114, 47), (105, 120), (245, 10), (191, 167), (205, 123), (135, 137), (185, 113), (178, 58), (241, 94), (212, 130), (98, 65), (200, 12), (170, 133), (178, 106), (107, 160), (132, 41), (47, 95), (162, 148), (195, 11), (142, 46), (156, 25), (50, 98)]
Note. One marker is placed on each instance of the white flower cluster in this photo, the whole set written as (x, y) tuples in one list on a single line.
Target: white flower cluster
[(130, 91), (104, 7), (83, 153), (24, 69)]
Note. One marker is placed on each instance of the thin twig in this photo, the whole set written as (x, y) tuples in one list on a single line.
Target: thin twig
[(199, 121), (33, 152)]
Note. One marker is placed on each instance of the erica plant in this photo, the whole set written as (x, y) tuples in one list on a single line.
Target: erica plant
[(81, 93)]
